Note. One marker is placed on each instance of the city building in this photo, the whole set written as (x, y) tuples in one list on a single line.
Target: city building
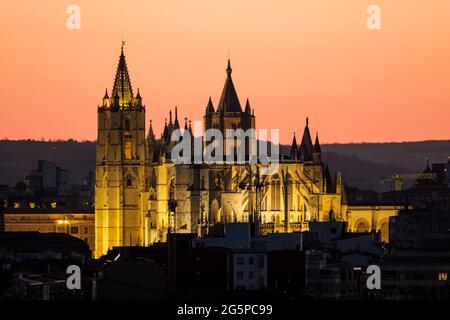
[(142, 194), (418, 273), (79, 223), (48, 179)]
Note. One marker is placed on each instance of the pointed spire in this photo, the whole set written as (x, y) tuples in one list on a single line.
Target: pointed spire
[(229, 70), (138, 96), (164, 133), (106, 101), (306, 145), (209, 106), (317, 148), (229, 101), (151, 134), (170, 117), (122, 83), (190, 129), (294, 148), (177, 124), (185, 123), (247, 106)]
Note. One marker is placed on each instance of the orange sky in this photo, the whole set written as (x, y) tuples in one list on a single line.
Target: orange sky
[(292, 59)]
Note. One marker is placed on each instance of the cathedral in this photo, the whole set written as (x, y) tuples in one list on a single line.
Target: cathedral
[(141, 194)]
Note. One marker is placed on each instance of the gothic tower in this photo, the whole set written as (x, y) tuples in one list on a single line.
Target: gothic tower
[(229, 114), (121, 155)]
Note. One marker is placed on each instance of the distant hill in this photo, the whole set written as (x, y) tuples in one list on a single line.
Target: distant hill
[(361, 164), (18, 158), (410, 155)]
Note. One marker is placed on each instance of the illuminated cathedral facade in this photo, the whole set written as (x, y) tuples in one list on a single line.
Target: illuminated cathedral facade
[(141, 195)]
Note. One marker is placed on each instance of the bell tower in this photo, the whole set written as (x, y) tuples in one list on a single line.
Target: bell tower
[(121, 155), (229, 114)]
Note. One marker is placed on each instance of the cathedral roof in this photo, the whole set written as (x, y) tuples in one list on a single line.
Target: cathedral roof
[(306, 145), (122, 83), (229, 101)]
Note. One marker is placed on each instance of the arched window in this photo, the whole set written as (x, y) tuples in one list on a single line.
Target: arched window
[(362, 226), (276, 190), (128, 151), (384, 232), (127, 126), (129, 182)]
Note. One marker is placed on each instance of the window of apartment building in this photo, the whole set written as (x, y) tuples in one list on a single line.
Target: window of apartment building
[(250, 274), (240, 260), (251, 260), (86, 230), (240, 275), (73, 230), (442, 276), (261, 261)]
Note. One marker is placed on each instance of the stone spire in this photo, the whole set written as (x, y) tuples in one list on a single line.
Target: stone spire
[(306, 145), (317, 151), (176, 124), (122, 84), (294, 149), (247, 107), (209, 106), (229, 101)]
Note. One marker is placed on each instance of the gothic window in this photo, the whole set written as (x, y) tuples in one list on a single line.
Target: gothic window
[(264, 205), (384, 232), (127, 126), (264, 200), (129, 182), (362, 226), (276, 190), (291, 195), (128, 152)]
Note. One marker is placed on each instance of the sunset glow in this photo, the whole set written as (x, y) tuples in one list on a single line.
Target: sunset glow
[(292, 59)]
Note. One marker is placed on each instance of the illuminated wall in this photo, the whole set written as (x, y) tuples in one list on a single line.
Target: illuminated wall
[(79, 225)]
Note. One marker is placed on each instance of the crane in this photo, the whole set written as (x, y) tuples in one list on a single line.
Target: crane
[(397, 179)]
